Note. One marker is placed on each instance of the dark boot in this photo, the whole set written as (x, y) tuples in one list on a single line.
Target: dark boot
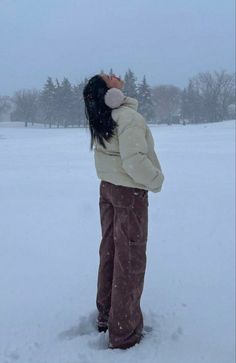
[(102, 327)]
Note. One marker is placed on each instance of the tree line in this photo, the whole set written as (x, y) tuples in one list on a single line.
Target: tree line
[(208, 97)]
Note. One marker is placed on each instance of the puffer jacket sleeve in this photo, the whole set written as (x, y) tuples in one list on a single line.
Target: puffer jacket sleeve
[(133, 151)]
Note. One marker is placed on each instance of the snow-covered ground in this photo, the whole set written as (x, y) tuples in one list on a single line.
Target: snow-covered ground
[(49, 240)]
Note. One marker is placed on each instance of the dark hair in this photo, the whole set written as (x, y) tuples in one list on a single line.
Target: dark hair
[(101, 123)]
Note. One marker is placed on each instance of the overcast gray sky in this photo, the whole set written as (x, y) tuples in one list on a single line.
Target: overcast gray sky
[(169, 41)]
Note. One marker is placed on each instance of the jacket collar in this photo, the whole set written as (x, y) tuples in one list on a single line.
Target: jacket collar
[(130, 102)]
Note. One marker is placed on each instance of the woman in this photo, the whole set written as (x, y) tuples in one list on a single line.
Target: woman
[(128, 167)]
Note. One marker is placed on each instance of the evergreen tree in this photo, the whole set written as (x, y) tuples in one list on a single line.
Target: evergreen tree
[(67, 102), (187, 103), (184, 106), (48, 101), (78, 103), (59, 103), (191, 103), (145, 100), (130, 86)]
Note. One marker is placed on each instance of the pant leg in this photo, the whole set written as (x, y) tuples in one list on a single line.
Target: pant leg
[(106, 253), (130, 238)]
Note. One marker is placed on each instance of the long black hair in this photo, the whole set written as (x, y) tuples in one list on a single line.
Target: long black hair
[(101, 123)]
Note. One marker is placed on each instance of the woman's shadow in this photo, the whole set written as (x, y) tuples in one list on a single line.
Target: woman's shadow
[(85, 326)]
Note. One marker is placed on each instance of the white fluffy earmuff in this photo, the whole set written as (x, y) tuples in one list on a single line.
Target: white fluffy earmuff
[(114, 98)]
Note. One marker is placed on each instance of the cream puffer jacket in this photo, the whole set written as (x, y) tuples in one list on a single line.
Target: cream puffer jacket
[(129, 158)]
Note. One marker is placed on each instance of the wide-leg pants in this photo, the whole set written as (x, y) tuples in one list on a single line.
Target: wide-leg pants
[(124, 225)]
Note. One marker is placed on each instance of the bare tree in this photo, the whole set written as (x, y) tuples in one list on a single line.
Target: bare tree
[(167, 102), (5, 105), (26, 105), (217, 92), (227, 93)]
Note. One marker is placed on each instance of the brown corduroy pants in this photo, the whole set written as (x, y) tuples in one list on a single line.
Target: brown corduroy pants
[(124, 224)]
